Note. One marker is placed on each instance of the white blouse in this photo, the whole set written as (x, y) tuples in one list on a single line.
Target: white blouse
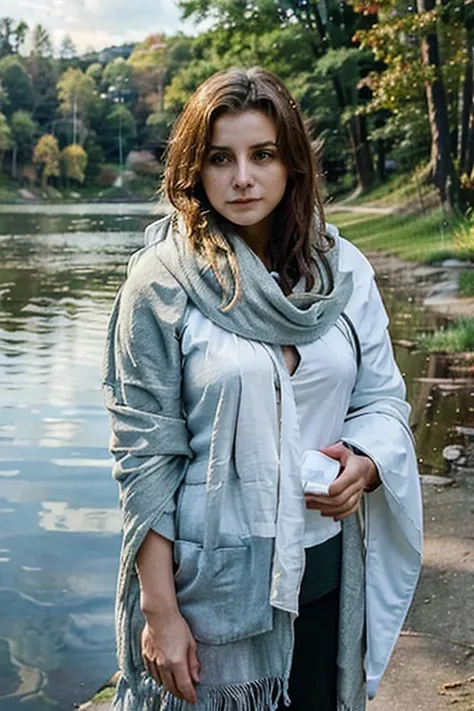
[(322, 386)]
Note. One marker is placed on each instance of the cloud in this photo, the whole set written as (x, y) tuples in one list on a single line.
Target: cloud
[(98, 23)]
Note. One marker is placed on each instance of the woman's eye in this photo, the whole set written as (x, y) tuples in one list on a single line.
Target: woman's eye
[(263, 155), (218, 158)]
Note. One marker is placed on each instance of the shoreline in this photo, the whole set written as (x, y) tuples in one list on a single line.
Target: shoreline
[(89, 207), (438, 285)]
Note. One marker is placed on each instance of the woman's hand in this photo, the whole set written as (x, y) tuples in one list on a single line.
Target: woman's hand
[(169, 655), (356, 474)]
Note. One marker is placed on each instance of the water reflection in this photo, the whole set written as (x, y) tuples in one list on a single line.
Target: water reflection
[(59, 522), (60, 516), (440, 399)]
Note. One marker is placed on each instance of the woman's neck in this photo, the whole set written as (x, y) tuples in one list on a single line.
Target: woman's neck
[(257, 237)]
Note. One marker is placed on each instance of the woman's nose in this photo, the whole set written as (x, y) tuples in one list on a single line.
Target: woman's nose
[(243, 176)]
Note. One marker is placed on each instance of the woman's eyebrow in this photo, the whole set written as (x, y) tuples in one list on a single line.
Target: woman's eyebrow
[(255, 145)]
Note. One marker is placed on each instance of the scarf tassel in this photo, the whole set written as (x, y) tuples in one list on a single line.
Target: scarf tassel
[(259, 695)]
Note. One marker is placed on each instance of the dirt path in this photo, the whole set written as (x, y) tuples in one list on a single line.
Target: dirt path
[(340, 207)]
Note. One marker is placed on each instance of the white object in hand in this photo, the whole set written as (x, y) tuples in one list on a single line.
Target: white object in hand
[(318, 471)]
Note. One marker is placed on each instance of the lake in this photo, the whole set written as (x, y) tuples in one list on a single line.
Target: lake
[(59, 523)]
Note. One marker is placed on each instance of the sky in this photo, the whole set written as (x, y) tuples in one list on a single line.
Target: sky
[(98, 23)]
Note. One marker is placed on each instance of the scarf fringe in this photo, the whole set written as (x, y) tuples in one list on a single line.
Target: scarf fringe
[(259, 695)]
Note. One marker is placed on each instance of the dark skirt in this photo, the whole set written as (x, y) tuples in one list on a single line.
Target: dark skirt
[(313, 678)]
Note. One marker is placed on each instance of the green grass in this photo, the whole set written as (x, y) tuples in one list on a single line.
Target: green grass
[(426, 238), (8, 189), (144, 187), (466, 283), (401, 188), (105, 694), (457, 338)]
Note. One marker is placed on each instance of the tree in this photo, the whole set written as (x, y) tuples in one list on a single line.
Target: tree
[(327, 26), (94, 71), (179, 52), (186, 81), (5, 138), (117, 80), (423, 48), (159, 127), (95, 157), (41, 44), (46, 154), (3, 96), (44, 76), (24, 131), (465, 145), (67, 49), (120, 133), (441, 160), (18, 85), (77, 95), (148, 60), (74, 163), (12, 36)]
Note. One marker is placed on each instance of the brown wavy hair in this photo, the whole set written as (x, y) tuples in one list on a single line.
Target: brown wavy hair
[(295, 230)]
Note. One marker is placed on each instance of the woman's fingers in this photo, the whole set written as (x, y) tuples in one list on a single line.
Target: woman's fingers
[(337, 451), (331, 503), (169, 682), (343, 499), (345, 491), (176, 678), (184, 684), (169, 653), (153, 671), (194, 666), (334, 510)]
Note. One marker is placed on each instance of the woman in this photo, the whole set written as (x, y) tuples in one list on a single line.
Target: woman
[(247, 336)]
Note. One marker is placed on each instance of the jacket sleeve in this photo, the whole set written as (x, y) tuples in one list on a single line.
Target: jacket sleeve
[(377, 424), (142, 389), (149, 441)]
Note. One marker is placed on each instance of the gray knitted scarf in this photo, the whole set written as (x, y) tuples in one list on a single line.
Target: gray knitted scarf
[(263, 312)]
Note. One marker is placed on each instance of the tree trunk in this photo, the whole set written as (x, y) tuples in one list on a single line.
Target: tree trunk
[(380, 148), (360, 147), (357, 128), (466, 127), (14, 160), (469, 162), (465, 111), (444, 177)]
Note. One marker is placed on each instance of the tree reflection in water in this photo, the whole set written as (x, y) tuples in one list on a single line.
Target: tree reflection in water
[(59, 521)]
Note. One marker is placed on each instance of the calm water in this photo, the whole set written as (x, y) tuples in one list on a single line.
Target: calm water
[(59, 524)]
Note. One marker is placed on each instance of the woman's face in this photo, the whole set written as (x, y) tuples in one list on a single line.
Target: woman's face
[(243, 174)]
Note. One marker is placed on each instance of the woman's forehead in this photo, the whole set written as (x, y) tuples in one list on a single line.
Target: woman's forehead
[(247, 127)]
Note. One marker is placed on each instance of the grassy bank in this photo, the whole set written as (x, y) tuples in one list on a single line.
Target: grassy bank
[(466, 283), (456, 338), (427, 238), (140, 188)]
